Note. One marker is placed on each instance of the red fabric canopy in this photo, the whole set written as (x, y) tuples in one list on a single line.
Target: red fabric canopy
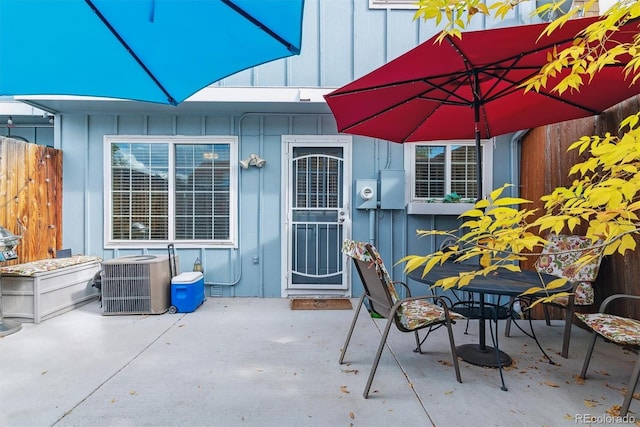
[(428, 93)]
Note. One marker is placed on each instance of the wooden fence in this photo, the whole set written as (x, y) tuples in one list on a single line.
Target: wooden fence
[(31, 197), (545, 165)]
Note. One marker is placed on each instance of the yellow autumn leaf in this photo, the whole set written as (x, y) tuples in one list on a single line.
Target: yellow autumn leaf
[(627, 243), (557, 283), (533, 290), (510, 201)]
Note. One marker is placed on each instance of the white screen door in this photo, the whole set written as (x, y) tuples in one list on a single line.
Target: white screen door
[(317, 215)]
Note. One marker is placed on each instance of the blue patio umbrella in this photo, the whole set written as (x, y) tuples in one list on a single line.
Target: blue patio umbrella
[(159, 51)]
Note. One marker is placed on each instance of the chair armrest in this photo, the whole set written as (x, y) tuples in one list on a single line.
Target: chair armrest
[(405, 286), (614, 297), (443, 299)]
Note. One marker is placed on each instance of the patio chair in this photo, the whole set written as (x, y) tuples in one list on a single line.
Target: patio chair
[(619, 330), (408, 314), (559, 258)]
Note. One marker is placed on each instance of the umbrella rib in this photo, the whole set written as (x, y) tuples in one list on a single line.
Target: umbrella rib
[(170, 98), (516, 87), (290, 47), (477, 104)]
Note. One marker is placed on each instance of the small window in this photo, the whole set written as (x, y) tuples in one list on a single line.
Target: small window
[(161, 190), (393, 4), (442, 175)]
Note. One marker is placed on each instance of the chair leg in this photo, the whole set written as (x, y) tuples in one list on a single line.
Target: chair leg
[(547, 316), (507, 325), (587, 358), (418, 348), (454, 353), (631, 388), (383, 341), (353, 325), (568, 322)]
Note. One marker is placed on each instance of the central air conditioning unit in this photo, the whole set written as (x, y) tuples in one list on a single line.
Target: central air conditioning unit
[(138, 284)]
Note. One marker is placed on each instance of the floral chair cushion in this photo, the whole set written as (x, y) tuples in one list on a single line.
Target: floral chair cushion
[(559, 258), (415, 314), (618, 329), (358, 250), (412, 314)]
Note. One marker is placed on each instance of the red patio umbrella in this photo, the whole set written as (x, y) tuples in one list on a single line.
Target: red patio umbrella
[(470, 88)]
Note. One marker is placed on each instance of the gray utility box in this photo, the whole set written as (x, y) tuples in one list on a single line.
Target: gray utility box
[(392, 189)]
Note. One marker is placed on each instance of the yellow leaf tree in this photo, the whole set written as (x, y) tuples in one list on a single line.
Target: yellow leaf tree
[(604, 197)]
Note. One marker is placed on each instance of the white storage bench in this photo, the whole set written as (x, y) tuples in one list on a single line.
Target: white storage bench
[(40, 290)]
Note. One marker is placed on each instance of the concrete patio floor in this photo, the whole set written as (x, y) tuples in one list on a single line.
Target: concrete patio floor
[(255, 362)]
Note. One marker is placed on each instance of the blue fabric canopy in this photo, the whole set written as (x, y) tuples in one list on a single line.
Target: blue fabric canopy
[(146, 50)]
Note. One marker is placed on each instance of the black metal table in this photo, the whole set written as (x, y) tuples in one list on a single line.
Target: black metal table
[(500, 283)]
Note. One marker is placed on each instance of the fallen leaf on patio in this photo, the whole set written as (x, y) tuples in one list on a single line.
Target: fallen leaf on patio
[(132, 392), (343, 388), (603, 372), (43, 372), (614, 411), (352, 415), (551, 384), (113, 400), (590, 403), (568, 417), (445, 362), (578, 380), (448, 392), (350, 371), (180, 326)]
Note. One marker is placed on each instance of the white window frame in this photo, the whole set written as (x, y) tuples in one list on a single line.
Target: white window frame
[(232, 241), (425, 206), (393, 4)]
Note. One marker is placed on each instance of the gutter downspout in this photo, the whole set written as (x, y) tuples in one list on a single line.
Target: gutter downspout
[(515, 161)]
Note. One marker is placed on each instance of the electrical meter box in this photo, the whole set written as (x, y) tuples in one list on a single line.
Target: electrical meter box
[(392, 189), (366, 193)]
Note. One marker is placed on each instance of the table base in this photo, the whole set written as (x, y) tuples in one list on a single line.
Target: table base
[(471, 353)]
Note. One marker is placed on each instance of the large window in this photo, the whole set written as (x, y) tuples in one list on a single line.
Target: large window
[(161, 190), (445, 173)]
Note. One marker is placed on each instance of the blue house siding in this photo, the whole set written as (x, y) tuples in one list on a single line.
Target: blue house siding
[(342, 40), (233, 272)]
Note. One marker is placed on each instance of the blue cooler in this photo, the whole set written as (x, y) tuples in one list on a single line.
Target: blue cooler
[(187, 292)]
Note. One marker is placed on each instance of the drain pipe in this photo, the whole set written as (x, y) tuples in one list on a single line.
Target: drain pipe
[(515, 163), (372, 227)]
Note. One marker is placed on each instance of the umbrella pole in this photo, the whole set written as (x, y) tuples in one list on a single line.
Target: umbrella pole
[(476, 112), (476, 124)]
